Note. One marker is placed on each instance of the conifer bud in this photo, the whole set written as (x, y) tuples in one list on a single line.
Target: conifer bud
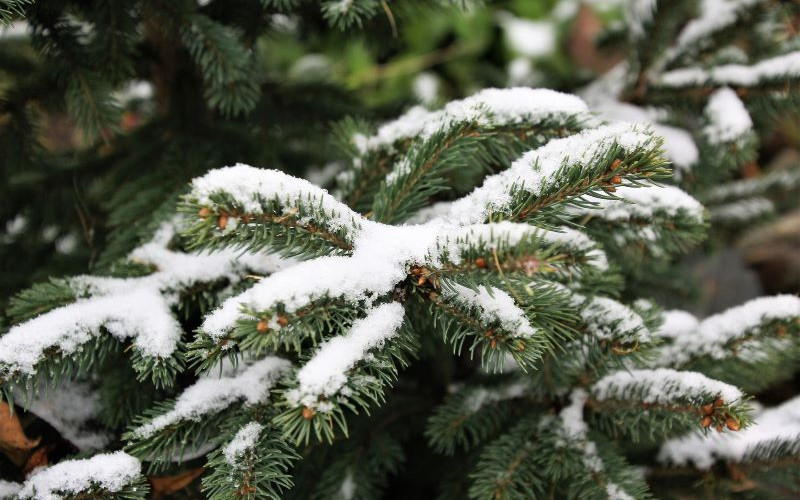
[(222, 222), (283, 320), (480, 262), (308, 413), (204, 212), (706, 422), (262, 326)]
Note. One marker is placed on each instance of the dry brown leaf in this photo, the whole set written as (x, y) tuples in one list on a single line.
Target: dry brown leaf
[(13, 442), (166, 485)]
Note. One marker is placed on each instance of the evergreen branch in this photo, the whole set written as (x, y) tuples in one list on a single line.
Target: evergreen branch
[(10, 9), (660, 402), (346, 372), (473, 414), (507, 469), (114, 476), (252, 208), (253, 465)]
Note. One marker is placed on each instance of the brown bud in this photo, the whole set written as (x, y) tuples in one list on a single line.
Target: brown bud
[(718, 402), (283, 320), (488, 334), (222, 222), (615, 164), (708, 409), (610, 189), (246, 218), (720, 427), (262, 326), (493, 343), (422, 280), (706, 422), (733, 424), (521, 345), (616, 179), (480, 262), (781, 331), (308, 413), (204, 212)]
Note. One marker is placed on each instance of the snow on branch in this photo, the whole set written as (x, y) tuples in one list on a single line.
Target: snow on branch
[(232, 199), (8, 489), (643, 203), (488, 108), (728, 118), (547, 170), (137, 308), (250, 384), (607, 319), (715, 16), (774, 429), (712, 336), (663, 386), (110, 472), (326, 373), (454, 244), (735, 75), (493, 306), (244, 441)]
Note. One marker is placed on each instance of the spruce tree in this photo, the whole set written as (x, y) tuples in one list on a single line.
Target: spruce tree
[(478, 306)]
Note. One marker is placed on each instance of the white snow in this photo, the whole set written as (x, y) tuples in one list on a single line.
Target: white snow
[(527, 37), (494, 306), (715, 332), (644, 203), (136, 308), (608, 319), (489, 107), (480, 396), (250, 186), (8, 489), (109, 471), (70, 410), (248, 383), (538, 170), (325, 374), (772, 427), (742, 210), (728, 119), (244, 441), (453, 241), (571, 416), (426, 88), (679, 147), (786, 65), (677, 324), (661, 385), (715, 15)]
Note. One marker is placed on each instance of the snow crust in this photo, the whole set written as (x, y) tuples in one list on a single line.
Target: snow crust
[(662, 385), (772, 427), (609, 319), (244, 441), (247, 383), (537, 170), (325, 374), (109, 471)]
